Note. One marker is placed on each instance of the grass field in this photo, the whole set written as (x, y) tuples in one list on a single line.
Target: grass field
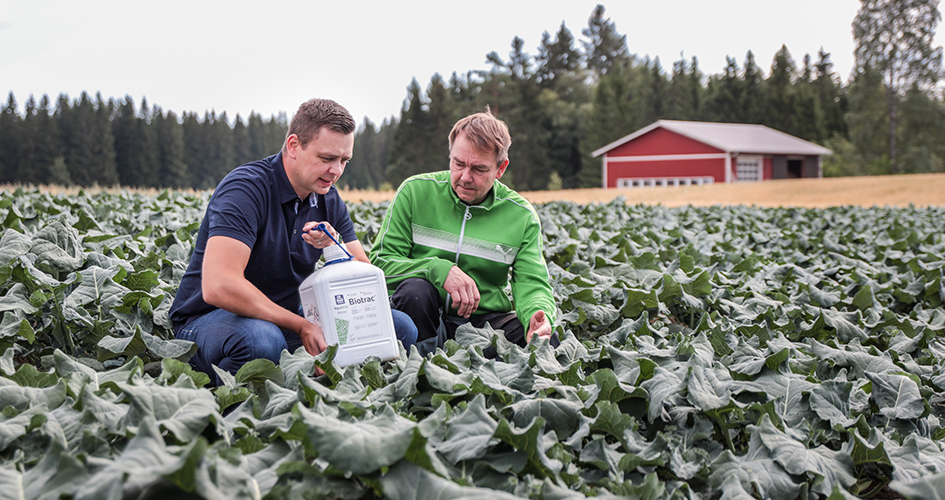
[(894, 191), (921, 190)]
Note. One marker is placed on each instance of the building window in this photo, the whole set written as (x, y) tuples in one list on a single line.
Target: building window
[(748, 169), (630, 183)]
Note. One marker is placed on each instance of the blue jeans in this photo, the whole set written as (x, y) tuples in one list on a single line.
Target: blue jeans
[(229, 341)]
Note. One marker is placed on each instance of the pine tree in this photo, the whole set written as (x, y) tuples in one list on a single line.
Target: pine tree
[(612, 116), (604, 47), (895, 38), (557, 60)]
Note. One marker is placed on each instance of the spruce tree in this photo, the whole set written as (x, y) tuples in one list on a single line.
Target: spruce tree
[(754, 106), (830, 95), (725, 95), (685, 93), (241, 143), (923, 131), (196, 153), (780, 96), (49, 165), (10, 136), (173, 170), (410, 140), (105, 173), (220, 144), (259, 146), (612, 116), (127, 144), (868, 123), (27, 167)]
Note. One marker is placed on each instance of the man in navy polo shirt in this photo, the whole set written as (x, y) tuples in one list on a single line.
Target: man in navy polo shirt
[(239, 298)]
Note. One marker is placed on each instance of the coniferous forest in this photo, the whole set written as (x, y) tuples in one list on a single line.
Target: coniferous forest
[(575, 94)]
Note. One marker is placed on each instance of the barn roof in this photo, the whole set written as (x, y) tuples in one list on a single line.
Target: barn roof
[(730, 137)]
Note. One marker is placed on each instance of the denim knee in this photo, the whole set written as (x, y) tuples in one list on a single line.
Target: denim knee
[(405, 329)]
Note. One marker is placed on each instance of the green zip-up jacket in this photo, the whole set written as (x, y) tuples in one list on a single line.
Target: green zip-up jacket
[(428, 229)]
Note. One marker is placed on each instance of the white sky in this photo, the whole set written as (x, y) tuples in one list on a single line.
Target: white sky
[(271, 55)]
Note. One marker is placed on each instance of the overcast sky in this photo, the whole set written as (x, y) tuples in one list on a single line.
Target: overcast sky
[(269, 56)]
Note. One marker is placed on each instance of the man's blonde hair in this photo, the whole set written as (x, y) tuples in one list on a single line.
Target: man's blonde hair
[(486, 133)]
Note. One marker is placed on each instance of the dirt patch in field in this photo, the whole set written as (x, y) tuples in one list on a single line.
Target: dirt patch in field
[(920, 190)]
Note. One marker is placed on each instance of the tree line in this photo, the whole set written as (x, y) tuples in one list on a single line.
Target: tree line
[(94, 142), (570, 98)]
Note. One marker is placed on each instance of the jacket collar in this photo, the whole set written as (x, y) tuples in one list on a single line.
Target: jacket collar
[(486, 203)]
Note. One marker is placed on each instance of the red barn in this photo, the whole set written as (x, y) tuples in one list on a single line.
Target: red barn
[(679, 153)]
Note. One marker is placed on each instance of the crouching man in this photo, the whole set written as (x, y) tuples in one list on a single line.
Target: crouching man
[(450, 239)]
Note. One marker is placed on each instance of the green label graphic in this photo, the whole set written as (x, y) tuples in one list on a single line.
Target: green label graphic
[(341, 326)]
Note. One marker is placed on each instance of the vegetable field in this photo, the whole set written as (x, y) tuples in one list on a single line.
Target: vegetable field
[(719, 352)]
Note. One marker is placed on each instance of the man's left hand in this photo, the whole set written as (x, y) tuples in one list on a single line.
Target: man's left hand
[(539, 325)]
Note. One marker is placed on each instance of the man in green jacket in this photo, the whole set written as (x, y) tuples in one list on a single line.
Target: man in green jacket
[(450, 239)]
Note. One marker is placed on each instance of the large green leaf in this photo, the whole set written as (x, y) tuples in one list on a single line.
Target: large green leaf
[(361, 447), (897, 396), (470, 433)]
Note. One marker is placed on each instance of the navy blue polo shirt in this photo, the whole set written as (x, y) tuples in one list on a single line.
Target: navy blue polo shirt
[(255, 204)]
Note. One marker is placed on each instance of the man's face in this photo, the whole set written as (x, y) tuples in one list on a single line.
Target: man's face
[(314, 168), (472, 172)]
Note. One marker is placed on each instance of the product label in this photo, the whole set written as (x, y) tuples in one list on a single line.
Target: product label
[(357, 316)]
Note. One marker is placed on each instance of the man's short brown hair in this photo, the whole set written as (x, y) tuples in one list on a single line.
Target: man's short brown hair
[(486, 133), (317, 113)]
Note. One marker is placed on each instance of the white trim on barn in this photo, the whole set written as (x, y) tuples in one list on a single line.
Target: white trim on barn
[(713, 156)]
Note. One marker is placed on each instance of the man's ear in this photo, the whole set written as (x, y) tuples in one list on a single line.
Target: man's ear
[(292, 145), (502, 167)]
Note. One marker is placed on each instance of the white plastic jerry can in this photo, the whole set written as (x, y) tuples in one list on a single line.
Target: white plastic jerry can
[(348, 300)]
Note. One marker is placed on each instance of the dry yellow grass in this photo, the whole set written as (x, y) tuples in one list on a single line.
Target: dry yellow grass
[(891, 190)]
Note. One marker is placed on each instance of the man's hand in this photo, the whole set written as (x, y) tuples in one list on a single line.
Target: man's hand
[(463, 291), (539, 325), (313, 339), (318, 239)]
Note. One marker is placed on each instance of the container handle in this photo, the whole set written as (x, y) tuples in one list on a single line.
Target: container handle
[(323, 228)]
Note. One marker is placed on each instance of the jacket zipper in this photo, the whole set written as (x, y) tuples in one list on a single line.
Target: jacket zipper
[(462, 231)]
